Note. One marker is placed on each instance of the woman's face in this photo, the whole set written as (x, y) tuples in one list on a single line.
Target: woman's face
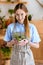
[(20, 15)]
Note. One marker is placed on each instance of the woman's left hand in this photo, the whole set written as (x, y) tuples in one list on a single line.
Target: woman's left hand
[(23, 42)]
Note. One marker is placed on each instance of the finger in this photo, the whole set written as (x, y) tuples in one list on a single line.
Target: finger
[(23, 43)]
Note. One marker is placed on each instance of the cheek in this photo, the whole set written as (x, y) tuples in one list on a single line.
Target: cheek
[(23, 17)]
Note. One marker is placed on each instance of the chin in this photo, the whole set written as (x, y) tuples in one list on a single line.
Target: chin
[(21, 22)]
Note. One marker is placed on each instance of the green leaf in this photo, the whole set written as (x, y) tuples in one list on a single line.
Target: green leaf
[(11, 11)]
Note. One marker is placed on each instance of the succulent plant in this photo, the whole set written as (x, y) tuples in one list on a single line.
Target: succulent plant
[(19, 37)]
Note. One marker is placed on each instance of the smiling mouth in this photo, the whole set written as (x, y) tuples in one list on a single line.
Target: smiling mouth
[(19, 20)]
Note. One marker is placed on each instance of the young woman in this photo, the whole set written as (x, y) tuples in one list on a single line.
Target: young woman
[(21, 52)]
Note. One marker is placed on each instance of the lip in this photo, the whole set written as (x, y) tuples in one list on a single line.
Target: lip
[(19, 20)]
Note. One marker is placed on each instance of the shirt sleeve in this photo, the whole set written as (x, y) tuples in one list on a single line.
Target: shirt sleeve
[(35, 35), (7, 36)]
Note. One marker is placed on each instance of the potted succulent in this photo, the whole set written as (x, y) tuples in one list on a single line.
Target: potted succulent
[(19, 36)]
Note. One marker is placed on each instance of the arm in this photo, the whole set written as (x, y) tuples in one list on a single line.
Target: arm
[(12, 43), (6, 44), (9, 43), (35, 45), (25, 41), (35, 39)]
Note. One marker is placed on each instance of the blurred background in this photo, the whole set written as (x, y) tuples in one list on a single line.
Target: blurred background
[(35, 16)]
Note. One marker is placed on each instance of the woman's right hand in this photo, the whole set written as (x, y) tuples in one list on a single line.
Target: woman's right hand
[(12, 42)]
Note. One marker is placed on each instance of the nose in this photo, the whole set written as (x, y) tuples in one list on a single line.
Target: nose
[(20, 17)]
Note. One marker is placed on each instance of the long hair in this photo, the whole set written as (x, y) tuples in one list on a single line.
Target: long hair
[(26, 22)]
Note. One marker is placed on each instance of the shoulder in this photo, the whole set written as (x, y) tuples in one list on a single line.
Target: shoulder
[(11, 25)]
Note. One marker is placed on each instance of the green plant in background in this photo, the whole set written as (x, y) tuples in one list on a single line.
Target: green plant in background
[(6, 51), (30, 17), (11, 11)]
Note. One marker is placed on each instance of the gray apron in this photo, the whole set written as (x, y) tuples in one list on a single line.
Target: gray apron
[(21, 55)]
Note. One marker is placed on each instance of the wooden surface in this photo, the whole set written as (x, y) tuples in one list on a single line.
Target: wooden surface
[(38, 53)]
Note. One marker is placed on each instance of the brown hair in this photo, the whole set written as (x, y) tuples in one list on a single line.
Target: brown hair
[(26, 23)]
